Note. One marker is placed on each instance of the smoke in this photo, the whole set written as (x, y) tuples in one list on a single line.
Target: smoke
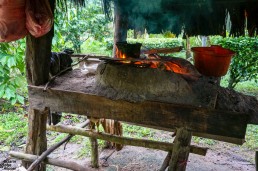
[(196, 16)]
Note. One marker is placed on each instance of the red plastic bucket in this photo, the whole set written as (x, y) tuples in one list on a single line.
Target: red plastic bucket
[(212, 61)]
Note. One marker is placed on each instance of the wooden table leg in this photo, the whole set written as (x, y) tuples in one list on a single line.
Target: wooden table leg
[(181, 150), (94, 153), (36, 140)]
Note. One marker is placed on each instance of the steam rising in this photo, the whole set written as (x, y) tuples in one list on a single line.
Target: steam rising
[(197, 17)]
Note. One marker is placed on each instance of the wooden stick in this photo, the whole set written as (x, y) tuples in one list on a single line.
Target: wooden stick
[(166, 162), (163, 50), (54, 147), (89, 56), (56, 162), (123, 140)]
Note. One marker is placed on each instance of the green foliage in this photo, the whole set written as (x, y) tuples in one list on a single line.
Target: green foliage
[(74, 28), (12, 69), (13, 128), (137, 131), (157, 42), (93, 46), (204, 141), (168, 34), (151, 43), (251, 137), (244, 65)]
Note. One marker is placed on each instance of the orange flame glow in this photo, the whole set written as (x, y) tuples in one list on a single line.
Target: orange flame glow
[(167, 65), (120, 54)]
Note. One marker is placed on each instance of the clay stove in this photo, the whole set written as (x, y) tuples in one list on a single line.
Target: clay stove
[(152, 77)]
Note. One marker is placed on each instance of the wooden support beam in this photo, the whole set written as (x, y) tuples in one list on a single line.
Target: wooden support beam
[(38, 52), (52, 148), (203, 135), (94, 153), (181, 150), (123, 140), (36, 139), (55, 162), (199, 120)]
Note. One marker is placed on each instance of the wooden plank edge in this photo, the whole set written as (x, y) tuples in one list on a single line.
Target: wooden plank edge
[(124, 140), (236, 140), (232, 140)]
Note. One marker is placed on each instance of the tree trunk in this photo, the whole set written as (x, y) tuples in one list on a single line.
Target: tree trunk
[(231, 82), (188, 52)]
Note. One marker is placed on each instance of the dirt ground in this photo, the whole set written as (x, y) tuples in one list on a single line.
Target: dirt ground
[(142, 159), (220, 158)]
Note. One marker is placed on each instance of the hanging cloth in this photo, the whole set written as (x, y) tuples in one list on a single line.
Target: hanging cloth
[(12, 20), (39, 17)]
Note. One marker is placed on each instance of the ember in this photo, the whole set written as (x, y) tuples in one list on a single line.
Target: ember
[(131, 52)]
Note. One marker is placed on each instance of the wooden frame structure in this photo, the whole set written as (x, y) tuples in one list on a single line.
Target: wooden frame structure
[(186, 120)]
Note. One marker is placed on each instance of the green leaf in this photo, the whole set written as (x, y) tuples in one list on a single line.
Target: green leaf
[(11, 62), (2, 90), (20, 99), (13, 101)]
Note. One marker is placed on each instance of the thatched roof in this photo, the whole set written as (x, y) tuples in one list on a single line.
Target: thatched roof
[(197, 17)]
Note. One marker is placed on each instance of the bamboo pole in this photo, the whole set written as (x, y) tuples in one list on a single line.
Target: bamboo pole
[(52, 148), (123, 140), (55, 162)]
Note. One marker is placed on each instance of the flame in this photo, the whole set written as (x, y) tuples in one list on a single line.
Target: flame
[(167, 65), (120, 54)]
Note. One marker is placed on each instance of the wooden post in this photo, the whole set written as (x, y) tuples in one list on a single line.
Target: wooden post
[(36, 140), (181, 150), (94, 153), (38, 51), (120, 24)]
